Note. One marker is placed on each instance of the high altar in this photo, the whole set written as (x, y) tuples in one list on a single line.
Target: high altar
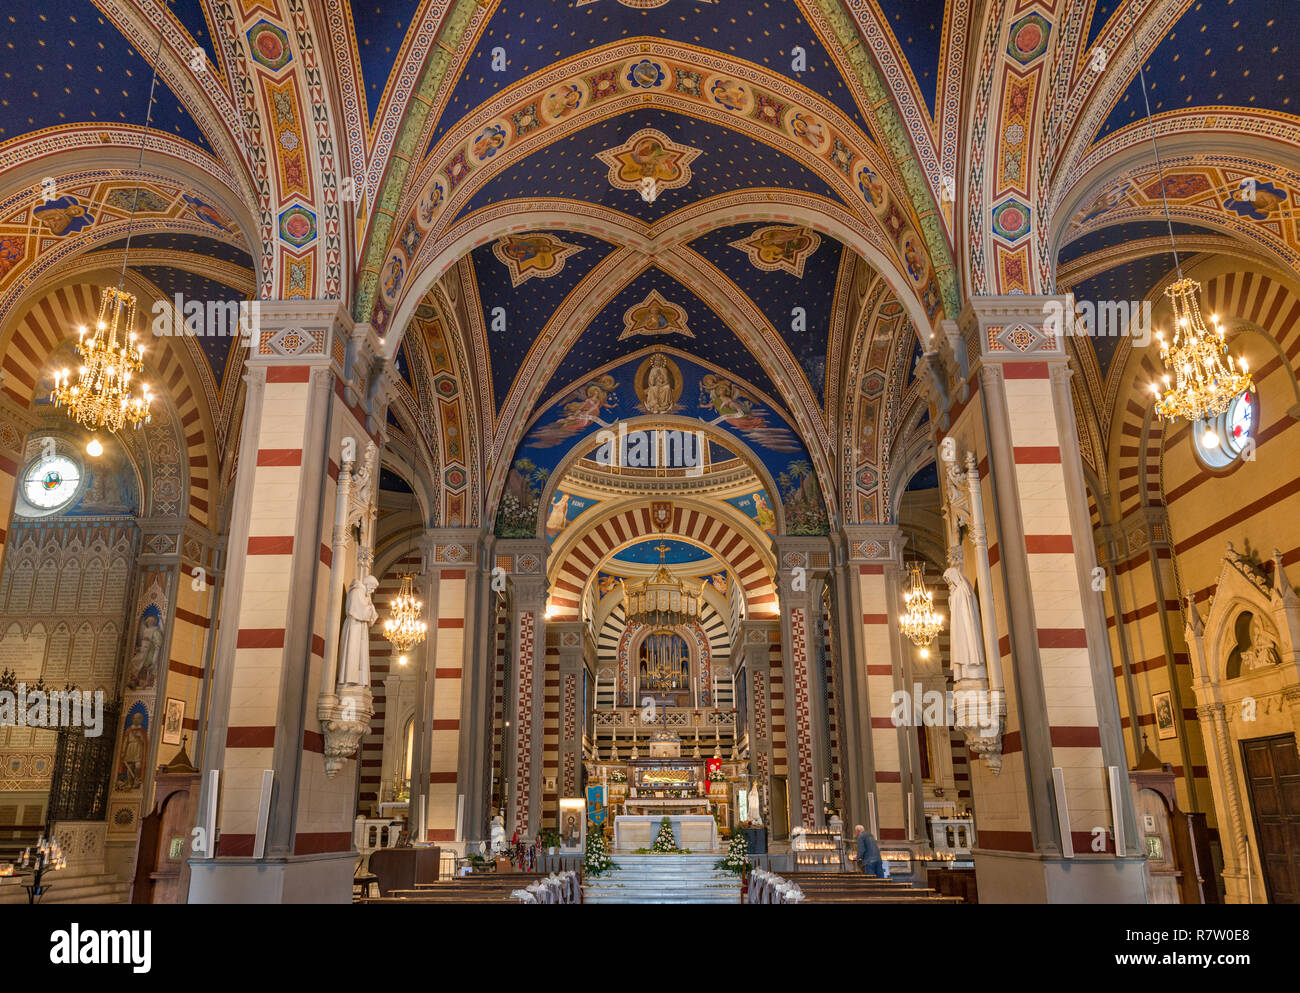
[(666, 785)]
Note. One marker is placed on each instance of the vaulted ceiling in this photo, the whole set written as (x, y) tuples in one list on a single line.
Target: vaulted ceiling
[(498, 148)]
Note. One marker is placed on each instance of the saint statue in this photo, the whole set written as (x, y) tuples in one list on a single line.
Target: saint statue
[(354, 650), (967, 643), (498, 834)]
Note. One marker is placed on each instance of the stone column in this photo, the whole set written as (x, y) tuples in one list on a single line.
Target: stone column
[(755, 640), (1062, 708), (803, 567), (879, 668), (577, 655), (525, 563), (309, 374), (446, 722)]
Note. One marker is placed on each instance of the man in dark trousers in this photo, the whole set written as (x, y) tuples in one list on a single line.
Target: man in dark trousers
[(869, 860)]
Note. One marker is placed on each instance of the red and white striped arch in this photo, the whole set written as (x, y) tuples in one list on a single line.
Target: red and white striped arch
[(169, 369), (575, 564)]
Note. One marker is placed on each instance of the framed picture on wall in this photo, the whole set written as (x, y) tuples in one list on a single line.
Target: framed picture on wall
[(1164, 708), (173, 721)]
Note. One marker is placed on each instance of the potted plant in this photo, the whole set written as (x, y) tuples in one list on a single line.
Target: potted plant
[(550, 840)]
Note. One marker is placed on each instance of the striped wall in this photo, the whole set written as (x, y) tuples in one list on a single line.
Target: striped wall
[(580, 559), (445, 724), (875, 592)]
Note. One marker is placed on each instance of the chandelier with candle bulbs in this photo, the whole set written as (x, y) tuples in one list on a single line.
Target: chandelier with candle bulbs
[(103, 395), (920, 622), (1205, 377), (404, 629)]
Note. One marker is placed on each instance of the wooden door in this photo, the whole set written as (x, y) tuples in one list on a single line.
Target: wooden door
[(1273, 780)]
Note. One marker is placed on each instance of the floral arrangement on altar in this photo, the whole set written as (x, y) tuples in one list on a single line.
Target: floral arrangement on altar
[(665, 843), (717, 776), (737, 858), (618, 776), (596, 861)]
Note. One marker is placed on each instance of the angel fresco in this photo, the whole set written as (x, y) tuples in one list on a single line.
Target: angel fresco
[(579, 414), (740, 414)]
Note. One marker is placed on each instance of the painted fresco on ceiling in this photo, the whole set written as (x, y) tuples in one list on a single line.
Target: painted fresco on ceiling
[(564, 509), (628, 391), (756, 507)]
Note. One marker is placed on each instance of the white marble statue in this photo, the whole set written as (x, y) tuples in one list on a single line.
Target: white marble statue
[(354, 651), (498, 834), (1262, 651), (966, 646)]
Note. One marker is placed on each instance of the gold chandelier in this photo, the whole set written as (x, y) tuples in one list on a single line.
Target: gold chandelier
[(920, 622), (661, 601), (103, 396), (404, 629), (1208, 378)]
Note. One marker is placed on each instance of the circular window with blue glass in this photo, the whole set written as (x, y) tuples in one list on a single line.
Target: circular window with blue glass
[(1222, 440), (51, 483)]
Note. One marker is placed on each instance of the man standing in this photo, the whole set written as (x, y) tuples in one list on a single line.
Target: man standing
[(869, 860)]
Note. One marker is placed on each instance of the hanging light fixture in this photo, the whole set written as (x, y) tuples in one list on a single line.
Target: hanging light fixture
[(661, 601), (1205, 378), (104, 396), (920, 622), (404, 629)]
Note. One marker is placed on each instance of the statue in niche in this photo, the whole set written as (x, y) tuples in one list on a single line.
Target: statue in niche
[(148, 650), (354, 652), (498, 833), (659, 397), (1262, 650), (966, 647)]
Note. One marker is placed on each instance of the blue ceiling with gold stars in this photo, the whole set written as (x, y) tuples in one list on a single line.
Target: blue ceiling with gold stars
[(192, 287), (714, 340), (72, 66), (777, 293), (194, 18), (1101, 13), (1130, 281), (192, 244), (528, 306), (647, 552), (536, 36), (571, 170), (1117, 235), (1220, 53), (380, 26), (918, 28)]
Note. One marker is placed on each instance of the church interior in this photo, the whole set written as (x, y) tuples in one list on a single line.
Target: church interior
[(555, 451)]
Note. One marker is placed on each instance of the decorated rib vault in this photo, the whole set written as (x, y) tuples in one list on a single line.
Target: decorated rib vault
[(512, 423)]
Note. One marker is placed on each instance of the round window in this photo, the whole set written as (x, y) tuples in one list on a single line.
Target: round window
[(1221, 440), (51, 482)]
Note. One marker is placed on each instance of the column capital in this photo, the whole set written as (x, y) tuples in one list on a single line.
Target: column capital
[(1003, 329), (300, 332), (524, 560), (576, 644), (873, 544), (450, 548)]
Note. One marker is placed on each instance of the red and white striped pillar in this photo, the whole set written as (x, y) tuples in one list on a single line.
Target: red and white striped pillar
[(1062, 710)]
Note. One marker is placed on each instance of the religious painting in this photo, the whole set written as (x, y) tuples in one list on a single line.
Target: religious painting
[(655, 316), (208, 214), (12, 251), (63, 216), (529, 255), (742, 414), (517, 514), (134, 749), (658, 385), (142, 668), (649, 154), (801, 494), (1162, 704), (873, 190), (1256, 199), (606, 584), (562, 102), (565, 507), (491, 141), (757, 507), (573, 823), (580, 413), (779, 248), (173, 721), (125, 198)]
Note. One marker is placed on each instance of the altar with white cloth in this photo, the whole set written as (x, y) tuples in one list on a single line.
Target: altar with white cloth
[(698, 832)]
